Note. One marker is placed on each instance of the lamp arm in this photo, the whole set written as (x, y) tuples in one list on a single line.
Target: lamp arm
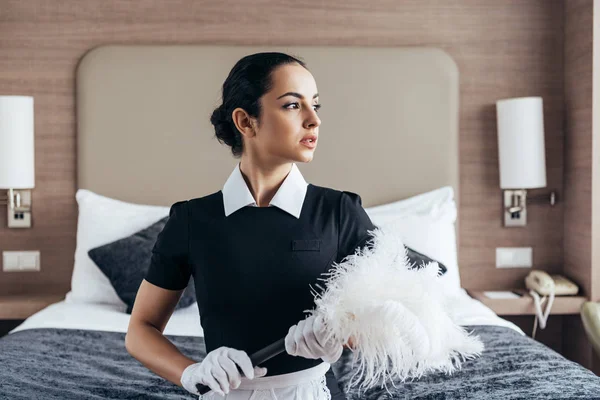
[(546, 198), (13, 198)]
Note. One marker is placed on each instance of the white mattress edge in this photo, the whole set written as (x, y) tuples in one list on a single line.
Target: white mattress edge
[(186, 322), (183, 322)]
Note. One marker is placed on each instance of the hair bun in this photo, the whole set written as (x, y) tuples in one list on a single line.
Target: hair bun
[(223, 114), (223, 127), (218, 115)]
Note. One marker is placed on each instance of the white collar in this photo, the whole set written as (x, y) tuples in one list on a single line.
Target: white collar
[(289, 197)]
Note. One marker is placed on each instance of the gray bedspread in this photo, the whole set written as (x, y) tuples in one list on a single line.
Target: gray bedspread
[(79, 364)]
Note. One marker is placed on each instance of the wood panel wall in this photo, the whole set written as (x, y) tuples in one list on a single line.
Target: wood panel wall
[(579, 180), (503, 49), (578, 142)]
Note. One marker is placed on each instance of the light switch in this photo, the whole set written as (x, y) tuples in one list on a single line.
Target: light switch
[(514, 257), (28, 261), (10, 261), (21, 260)]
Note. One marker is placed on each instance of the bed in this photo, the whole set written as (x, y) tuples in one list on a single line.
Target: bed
[(142, 118), (76, 351)]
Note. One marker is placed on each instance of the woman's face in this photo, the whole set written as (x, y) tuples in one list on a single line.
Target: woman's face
[(288, 117)]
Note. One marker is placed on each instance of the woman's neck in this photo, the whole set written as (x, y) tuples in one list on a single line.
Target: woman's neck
[(263, 181)]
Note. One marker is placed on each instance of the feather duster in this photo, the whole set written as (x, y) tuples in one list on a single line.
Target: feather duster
[(392, 313)]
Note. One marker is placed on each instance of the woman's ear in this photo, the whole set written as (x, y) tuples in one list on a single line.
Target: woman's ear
[(243, 122)]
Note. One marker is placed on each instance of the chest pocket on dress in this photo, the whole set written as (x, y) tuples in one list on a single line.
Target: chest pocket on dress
[(306, 245), (309, 257)]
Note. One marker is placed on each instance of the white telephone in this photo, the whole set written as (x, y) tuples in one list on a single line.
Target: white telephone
[(541, 283)]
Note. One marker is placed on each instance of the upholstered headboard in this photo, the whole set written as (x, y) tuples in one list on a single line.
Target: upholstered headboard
[(389, 120)]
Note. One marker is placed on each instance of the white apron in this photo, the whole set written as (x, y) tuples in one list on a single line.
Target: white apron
[(308, 384)]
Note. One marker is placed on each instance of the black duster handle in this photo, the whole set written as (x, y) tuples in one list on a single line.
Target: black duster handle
[(257, 358)]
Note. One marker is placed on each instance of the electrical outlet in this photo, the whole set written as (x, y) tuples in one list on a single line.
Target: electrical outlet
[(513, 257), (20, 261)]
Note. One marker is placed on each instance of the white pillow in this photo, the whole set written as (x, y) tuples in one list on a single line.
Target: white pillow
[(103, 220), (426, 224)]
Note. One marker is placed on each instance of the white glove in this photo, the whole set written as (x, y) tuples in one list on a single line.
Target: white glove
[(307, 339), (219, 371)]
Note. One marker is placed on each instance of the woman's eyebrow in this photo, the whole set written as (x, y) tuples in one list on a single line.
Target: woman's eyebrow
[(298, 95)]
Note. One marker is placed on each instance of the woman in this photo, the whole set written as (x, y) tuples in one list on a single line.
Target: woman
[(255, 248)]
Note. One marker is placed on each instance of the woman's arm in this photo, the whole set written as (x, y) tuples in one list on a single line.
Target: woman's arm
[(145, 340)]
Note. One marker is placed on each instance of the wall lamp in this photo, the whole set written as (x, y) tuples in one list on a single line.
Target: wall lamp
[(521, 156), (17, 165)]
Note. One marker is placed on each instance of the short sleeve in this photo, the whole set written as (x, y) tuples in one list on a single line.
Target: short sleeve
[(169, 266), (354, 225)]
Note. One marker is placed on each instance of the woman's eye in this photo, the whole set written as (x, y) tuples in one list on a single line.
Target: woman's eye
[(294, 106)]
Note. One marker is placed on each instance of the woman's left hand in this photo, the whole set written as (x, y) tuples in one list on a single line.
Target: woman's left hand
[(307, 339)]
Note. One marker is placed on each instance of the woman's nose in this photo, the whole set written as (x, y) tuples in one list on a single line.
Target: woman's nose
[(313, 120)]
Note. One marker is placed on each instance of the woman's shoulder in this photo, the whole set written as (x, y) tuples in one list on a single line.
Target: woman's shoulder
[(206, 202), (324, 190), (338, 199), (320, 192), (336, 194)]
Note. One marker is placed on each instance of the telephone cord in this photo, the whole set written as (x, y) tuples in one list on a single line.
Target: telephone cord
[(543, 317)]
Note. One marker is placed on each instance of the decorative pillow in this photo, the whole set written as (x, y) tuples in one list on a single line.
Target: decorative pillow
[(420, 260), (103, 220), (426, 222), (126, 261)]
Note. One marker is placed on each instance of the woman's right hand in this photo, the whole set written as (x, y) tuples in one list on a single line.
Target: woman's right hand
[(219, 371)]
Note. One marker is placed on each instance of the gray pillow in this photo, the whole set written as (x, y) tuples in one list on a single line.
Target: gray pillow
[(126, 261), (419, 260)]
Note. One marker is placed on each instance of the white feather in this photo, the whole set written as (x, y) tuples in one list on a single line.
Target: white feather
[(396, 315)]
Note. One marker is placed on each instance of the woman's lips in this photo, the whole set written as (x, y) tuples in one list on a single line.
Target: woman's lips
[(308, 143)]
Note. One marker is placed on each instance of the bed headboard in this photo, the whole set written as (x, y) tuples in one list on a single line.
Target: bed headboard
[(389, 120)]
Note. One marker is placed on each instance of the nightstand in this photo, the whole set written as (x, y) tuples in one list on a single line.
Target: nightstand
[(562, 305), (563, 329), (14, 309)]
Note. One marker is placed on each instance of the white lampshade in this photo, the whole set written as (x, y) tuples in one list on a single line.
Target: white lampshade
[(16, 143), (521, 151)]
